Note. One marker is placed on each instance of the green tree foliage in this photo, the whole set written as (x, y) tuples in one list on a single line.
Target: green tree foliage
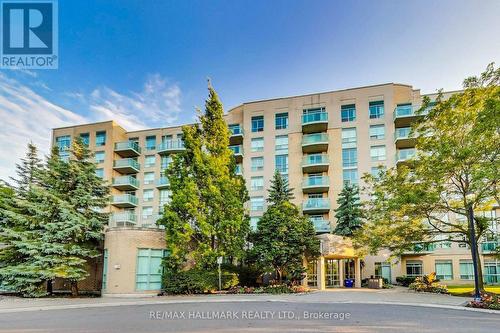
[(348, 213), (284, 236), (456, 167), (27, 169), (205, 218), (51, 230)]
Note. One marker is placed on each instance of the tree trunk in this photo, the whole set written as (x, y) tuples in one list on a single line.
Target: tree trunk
[(479, 271), (278, 273), (74, 288), (49, 287)]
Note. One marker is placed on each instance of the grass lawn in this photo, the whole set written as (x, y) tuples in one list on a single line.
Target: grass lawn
[(466, 290)]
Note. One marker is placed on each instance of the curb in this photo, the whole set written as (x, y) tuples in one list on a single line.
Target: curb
[(246, 300)]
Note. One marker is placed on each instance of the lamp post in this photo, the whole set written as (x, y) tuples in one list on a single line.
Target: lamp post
[(472, 236)]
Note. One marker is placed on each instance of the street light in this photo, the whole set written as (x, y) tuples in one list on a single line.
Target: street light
[(472, 236)]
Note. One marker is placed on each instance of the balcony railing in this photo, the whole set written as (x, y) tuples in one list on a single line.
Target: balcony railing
[(402, 133), (126, 163), (130, 147), (490, 246), (316, 138), (125, 181), (125, 200), (171, 146), (162, 182), (322, 226), (316, 204), (316, 181), (314, 117), (409, 111), (123, 217), (237, 149), (236, 130), (405, 154)]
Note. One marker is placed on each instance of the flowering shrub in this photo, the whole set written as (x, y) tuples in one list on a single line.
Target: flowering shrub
[(428, 283), (487, 301)]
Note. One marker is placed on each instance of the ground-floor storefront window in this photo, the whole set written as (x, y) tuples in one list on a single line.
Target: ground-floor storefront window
[(312, 273), (149, 269), (383, 270), (332, 278)]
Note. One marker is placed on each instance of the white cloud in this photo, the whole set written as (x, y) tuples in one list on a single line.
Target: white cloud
[(157, 105), (27, 116)]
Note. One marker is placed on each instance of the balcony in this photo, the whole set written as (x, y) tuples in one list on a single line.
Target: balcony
[(316, 206), (315, 163), (422, 249), (122, 219), (317, 184), (315, 122), (162, 183), (239, 170), (322, 226), (405, 114), (124, 201), (238, 152), (171, 147), (403, 155), (126, 166), (125, 183), (403, 138), (490, 246), (127, 149), (315, 143), (236, 137)]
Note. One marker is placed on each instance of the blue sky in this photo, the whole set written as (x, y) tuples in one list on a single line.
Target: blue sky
[(144, 63)]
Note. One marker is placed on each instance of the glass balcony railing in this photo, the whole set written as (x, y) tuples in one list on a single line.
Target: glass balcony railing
[(316, 181), (171, 145), (237, 150), (322, 226), (315, 159), (125, 180), (427, 247), (126, 163), (490, 246), (318, 138), (402, 133), (409, 110), (127, 145), (236, 130), (125, 199), (405, 154), (314, 117), (316, 203), (123, 217), (162, 182)]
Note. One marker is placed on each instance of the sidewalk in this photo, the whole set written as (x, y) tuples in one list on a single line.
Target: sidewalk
[(368, 296)]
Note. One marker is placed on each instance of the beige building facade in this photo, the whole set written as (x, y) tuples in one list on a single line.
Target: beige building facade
[(318, 141)]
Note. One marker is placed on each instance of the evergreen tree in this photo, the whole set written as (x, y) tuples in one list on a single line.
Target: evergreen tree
[(27, 170), (279, 191), (205, 218), (348, 212), (55, 227), (284, 236)]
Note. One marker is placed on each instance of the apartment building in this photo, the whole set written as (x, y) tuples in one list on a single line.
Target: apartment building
[(318, 141)]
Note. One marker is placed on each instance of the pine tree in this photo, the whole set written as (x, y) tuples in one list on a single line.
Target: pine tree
[(348, 213), (54, 228), (279, 191), (284, 236), (27, 170), (205, 217)]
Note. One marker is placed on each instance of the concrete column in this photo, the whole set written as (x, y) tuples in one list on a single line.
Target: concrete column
[(341, 272), (357, 273), (321, 273)]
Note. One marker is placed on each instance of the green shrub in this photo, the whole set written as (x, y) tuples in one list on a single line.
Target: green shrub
[(247, 275), (405, 281), (428, 283), (197, 281)]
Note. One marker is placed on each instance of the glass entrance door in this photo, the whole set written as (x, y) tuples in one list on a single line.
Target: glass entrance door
[(332, 273)]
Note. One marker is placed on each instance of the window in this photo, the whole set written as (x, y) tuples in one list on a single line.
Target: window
[(63, 142), (99, 173), (491, 271), (100, 138), (444, 269), (257, 163), (349, 137), (282, 143), (257, 144), (147, 195), (282, 163), (165, 197), (377, 153), (257, 183), (350, 176), (149, 177), (375, 171), (376, 109), (147, 212), (414, 268), (149, 269), (258, 124), (349, 157), (235, 129), (149, 161), (165, 161), (281, 121), (238, 169), (99, 156), (348, 112), (254, 221), (466, 270), (383, 270), (85, 137), (257, 203), (377, 132), (151, 142)]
